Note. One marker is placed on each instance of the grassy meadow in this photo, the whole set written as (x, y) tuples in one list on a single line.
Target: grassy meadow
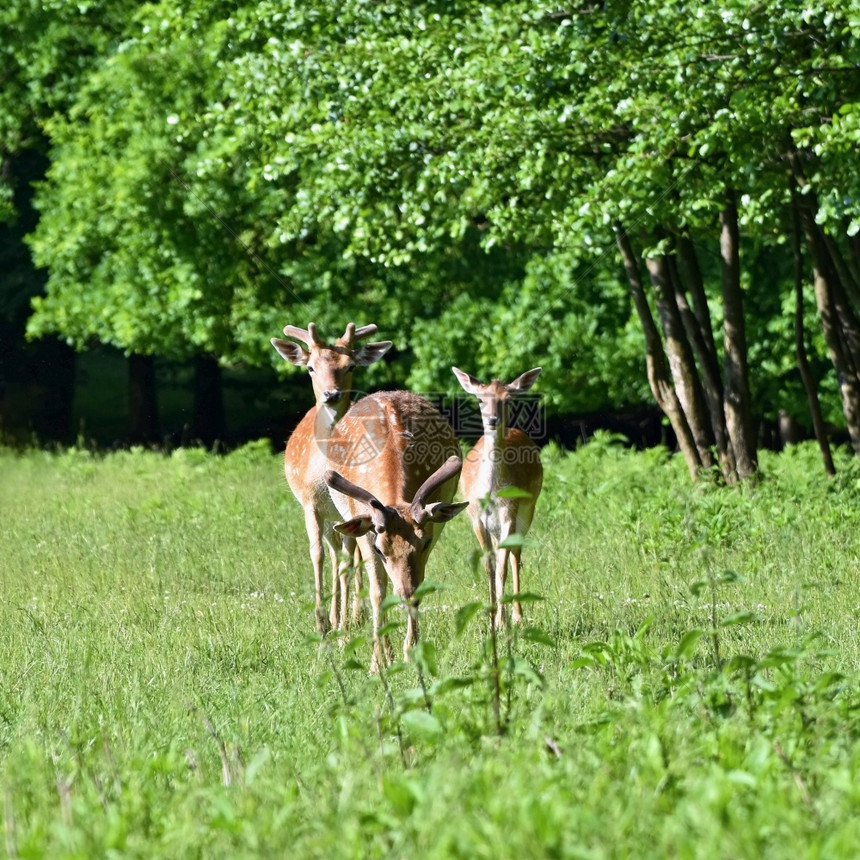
[(686, 687)]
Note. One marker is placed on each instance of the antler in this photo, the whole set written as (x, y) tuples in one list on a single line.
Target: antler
[(337, 482), (445, 472), (353, 334), (365, 331), (308, 336)]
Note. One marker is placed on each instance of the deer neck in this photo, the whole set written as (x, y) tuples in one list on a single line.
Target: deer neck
[(327, 417), (494, 447)]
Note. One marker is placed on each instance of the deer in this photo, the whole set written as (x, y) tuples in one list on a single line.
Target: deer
[(331, 367), (394, 467), (504, 457)]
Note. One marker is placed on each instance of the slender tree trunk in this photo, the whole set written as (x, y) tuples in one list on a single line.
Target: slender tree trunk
[(854, 255), (838, 321), (692, 275), (800, 347), (144, 426), (834, 323), (702, 343), (737, 393), (843, 271), (681, 363), (208, 422), (655, 358)]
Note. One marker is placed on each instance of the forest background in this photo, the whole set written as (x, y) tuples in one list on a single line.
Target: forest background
[(655, 202)]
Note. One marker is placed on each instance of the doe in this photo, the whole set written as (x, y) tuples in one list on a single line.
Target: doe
[(504, 457)]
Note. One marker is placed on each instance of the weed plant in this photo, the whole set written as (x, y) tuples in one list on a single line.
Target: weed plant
[(685, 684)]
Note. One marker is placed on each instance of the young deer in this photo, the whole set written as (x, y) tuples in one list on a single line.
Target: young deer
[(503, 457), (331, 368), (398, 461)]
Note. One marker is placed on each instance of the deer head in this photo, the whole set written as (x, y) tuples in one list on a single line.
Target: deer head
[(402, 534), (495, 397), (331, 366)]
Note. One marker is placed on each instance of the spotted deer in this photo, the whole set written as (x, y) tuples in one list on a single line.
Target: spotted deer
[(331, 367), (394, 462), (504, 457)]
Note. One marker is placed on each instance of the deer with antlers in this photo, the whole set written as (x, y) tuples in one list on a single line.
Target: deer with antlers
[(397, 462), (331, 367), (504, 457)]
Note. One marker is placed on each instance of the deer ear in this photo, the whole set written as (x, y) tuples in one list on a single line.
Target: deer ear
[(442, 512), (526, 380), (355, 527), (371, 352), (468, 382), (291, 351)]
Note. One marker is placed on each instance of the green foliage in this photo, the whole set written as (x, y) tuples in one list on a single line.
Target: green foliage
[(687, 686), (570, 315), (47, 48), (452, 171), (137, 258)]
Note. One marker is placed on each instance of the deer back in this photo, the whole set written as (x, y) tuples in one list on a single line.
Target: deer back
[(390, 443)]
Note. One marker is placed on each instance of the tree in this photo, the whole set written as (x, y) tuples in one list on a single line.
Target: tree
[(160, 227), (46, 48), (470, 172), (547, 126)]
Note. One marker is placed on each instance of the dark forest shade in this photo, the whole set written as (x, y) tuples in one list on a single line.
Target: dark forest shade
[(207, 422)]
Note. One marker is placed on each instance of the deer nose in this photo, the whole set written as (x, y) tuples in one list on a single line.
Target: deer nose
[(332, 396), (493, 420)]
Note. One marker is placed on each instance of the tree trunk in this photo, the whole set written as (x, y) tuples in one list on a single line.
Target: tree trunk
[(737, 393), (207, 422), (854, 255), (681, 363), (697, 325), (692, 276), (838, 321), (144, 426), (800, 347), (843, 271), (834, 323), (655, 359)]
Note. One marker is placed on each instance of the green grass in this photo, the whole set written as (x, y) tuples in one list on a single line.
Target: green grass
[(686, 688)]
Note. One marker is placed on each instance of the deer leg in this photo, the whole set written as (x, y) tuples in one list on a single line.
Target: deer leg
[(344, 562), (525, 513), (313, 525), (377, 583), (501, 576), (486, 544), (357, 609), (517, 615), (334, 611)]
